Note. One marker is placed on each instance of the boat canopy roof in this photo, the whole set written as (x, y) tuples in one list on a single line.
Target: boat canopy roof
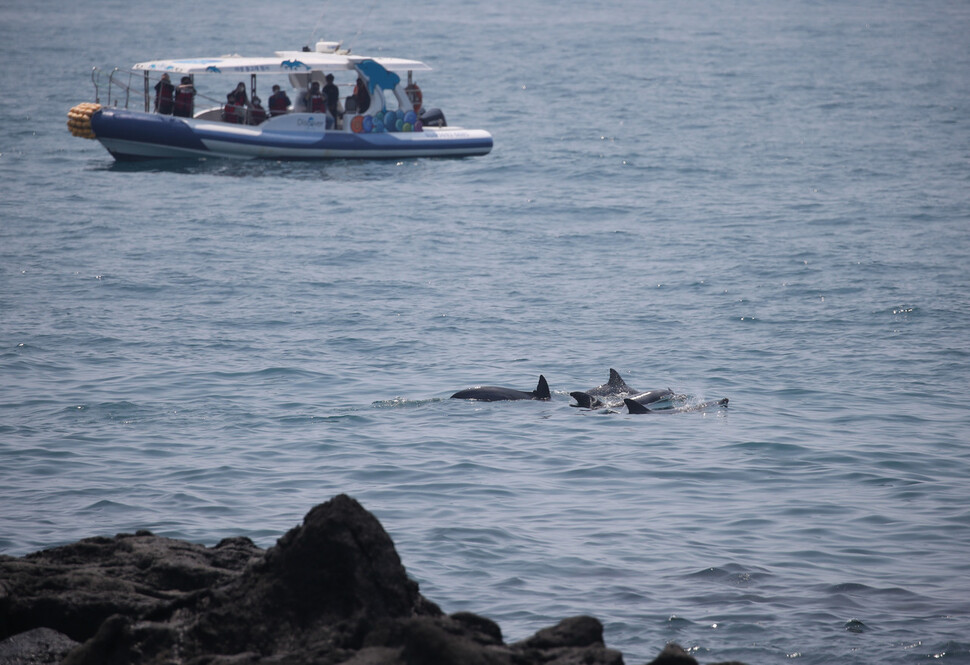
[(283, 62)]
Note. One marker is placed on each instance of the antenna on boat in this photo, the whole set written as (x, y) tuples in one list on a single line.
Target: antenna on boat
[(313, 35), (316, 26), (364, 22)]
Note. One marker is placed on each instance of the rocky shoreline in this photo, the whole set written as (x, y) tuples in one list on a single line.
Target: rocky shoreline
[(331, 591)]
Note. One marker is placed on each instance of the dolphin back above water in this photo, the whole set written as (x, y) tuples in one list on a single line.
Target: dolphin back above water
[(636, 407), (587, 401), (617, 389), (498, 394), (615, 386)]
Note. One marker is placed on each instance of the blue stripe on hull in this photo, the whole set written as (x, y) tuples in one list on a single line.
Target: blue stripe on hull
[(134, 135), (162, 131)]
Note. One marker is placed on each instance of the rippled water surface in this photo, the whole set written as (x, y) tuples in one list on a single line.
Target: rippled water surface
[(734, 199)]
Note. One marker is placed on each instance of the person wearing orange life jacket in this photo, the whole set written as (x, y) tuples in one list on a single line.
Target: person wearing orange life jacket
[(184, 98), (164, 92), (278, 102)]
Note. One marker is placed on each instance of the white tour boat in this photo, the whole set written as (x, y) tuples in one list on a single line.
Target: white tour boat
[(395, 123)]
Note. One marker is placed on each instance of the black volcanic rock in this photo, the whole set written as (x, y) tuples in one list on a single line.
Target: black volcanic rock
[(332, 590), (74, 588), (33, 647)]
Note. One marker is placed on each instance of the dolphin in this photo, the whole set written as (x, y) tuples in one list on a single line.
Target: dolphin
[(637, 407), (497, 394), (616, 387)]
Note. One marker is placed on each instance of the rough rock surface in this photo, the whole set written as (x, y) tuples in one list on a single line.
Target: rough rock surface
[(332, 590)]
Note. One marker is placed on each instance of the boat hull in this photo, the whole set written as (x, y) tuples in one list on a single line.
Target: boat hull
[(134, 135)]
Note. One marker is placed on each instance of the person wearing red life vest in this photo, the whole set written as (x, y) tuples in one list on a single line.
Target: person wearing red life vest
[(316, 102), (184, 106), (414, 94), (236, 102), (257, 113), (278, 102), (164, 93)]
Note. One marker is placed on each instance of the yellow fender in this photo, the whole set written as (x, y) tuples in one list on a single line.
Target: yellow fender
[(79, 119)]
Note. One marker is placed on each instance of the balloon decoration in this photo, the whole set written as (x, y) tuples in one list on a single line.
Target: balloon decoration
[(387, 121)]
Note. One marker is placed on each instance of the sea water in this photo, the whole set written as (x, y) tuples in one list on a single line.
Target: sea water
[(754, 200)]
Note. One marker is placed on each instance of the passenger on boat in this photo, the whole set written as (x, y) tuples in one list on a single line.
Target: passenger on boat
[(414, 94), (229, 113), (315, 102), (332, 94), (236, 103), (184, 98), (278, 102), (164, 93), (361, 96), (257, 113)]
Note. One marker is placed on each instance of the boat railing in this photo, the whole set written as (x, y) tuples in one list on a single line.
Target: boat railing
[(122, 93), (113, 82), (128, 87), (95, 79)]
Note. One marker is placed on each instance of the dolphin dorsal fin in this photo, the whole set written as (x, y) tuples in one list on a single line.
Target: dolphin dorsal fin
[(635, 407), (616, 381), (585, 400), (542, 389)]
